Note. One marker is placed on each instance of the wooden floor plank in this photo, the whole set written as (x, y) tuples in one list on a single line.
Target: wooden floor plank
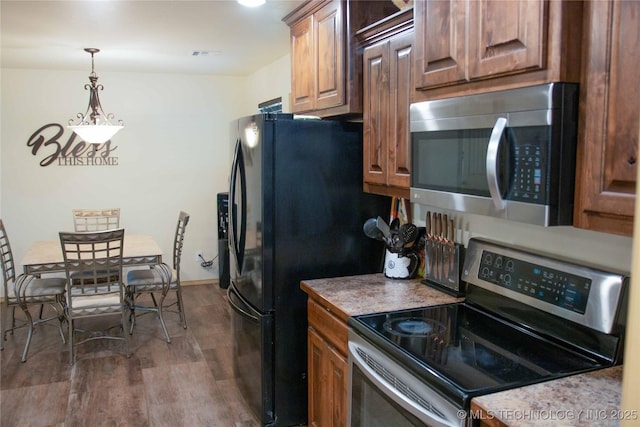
[(173, 399), (39, 405)]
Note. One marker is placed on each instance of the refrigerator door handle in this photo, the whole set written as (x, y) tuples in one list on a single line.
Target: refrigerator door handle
[(232, 293), (237, 242)]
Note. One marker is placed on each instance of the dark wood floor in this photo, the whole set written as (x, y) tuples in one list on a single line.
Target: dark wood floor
[(188, 382)]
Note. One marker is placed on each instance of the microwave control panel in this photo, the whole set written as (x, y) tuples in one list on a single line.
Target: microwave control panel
[(529, 180)]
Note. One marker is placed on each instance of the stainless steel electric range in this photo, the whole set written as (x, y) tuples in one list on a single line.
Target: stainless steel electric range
[(527, 318)]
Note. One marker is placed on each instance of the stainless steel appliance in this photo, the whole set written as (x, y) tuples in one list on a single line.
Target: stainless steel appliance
[(296, 211), (508, 154), (527, 318)]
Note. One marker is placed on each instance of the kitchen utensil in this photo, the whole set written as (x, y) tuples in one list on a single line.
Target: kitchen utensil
[(407, 233), (371, 229), (443, 256), (452, 246), (395, 225), (383, 227), (438, 246), (444, 247)]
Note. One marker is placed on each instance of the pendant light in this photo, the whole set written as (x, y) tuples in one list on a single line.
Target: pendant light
[(94, 126)]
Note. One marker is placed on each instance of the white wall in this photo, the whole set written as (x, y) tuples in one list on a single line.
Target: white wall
[(269, 82), (598, 249), (173, 155), (0, 149)]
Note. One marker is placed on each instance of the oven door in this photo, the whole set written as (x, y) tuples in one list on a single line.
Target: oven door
[(382, 393)]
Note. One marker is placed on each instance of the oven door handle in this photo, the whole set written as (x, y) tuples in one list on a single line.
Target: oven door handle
[(435, 420), (492, 162)]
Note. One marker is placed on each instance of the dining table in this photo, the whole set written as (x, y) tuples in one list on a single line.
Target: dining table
[(45, 256)]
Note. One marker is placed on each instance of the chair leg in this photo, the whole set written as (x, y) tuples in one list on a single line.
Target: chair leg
[(71, 338), (61, 318), (29, 334), (164, 327), (125, 330), (153, 298), (131, 299), (183, 317), (3, 321)]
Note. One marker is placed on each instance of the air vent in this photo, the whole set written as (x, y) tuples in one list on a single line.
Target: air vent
[(205, 53)]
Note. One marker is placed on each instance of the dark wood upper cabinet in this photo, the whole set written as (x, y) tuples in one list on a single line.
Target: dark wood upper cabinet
[(609, 117), (506, 37), (464, 47), (387, 88), (439, 43), (302, 89), (326, 62)]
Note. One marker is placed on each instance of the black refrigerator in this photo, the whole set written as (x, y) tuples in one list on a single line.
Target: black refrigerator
[(296, 211)]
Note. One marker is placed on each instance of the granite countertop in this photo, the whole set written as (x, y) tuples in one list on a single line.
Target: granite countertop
[(373, 293), (593, 398)]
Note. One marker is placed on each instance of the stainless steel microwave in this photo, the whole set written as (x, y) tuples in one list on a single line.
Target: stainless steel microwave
[(508, 154)]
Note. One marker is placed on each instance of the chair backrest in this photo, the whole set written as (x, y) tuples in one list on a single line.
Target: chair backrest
[(93, 261), (8, 266), (96, 219), (183, 220)]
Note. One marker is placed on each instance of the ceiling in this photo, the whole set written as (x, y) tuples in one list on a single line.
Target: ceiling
[(144, 36)]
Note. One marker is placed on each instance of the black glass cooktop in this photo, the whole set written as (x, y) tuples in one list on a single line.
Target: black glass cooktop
[(468, 352)]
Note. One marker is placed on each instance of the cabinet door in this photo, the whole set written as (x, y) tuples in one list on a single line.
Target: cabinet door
[(610, 118), (440, 37), (338, 375), (328, 377), (302, 64), (375, 115), (328, 30), (401, 87), (506, 36), (317, 352)]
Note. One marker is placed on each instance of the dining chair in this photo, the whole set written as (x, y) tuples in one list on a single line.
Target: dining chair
[(93, 266), (160, 279), (25, 291), (96, 219)]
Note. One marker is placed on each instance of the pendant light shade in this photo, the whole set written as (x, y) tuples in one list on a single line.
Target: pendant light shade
[(94, 126)]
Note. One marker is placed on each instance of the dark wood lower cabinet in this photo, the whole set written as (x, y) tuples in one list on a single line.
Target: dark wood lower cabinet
[(328, 368)]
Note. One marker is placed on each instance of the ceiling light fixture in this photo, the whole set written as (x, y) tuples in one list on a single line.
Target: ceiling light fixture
[(252, 3), (94, 126)]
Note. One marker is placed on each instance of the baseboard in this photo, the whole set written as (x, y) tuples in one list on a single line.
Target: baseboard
[(200, 282)]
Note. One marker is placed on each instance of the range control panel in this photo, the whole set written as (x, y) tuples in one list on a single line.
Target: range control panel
[(555, 287), (584, 294)]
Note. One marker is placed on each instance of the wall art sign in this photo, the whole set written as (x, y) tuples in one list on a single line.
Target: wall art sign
[(47, 143)]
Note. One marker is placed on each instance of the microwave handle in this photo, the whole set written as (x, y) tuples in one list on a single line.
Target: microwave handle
[(492, 162)]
